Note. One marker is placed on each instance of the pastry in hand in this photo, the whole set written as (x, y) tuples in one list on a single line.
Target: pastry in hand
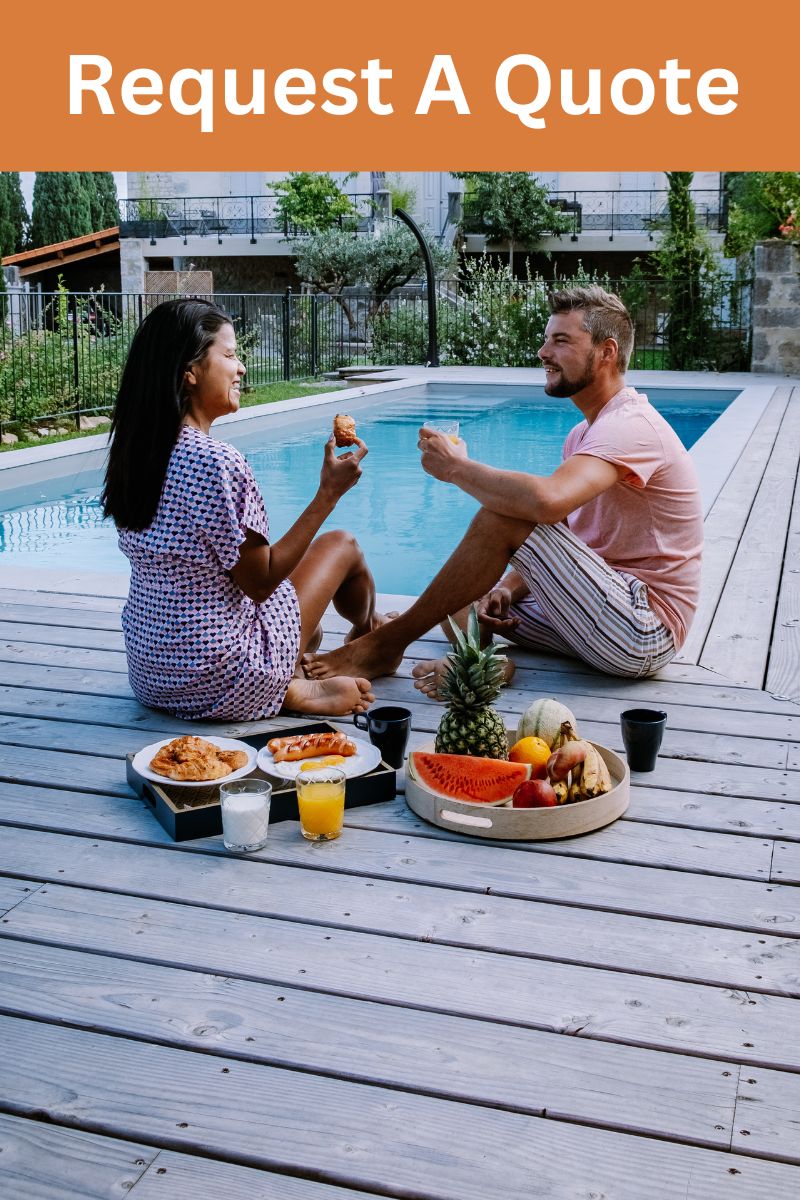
[(344, 430)]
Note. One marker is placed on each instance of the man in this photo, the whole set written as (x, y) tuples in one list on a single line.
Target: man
[(604, 554)]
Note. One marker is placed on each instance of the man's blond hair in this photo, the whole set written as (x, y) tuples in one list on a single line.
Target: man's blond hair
[(604, 316)]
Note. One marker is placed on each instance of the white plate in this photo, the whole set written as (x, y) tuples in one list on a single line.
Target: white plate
[(366, 758), (142, 760)]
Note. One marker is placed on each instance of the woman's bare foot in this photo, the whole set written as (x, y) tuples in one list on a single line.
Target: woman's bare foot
[(428, 675), (376, 620), (334, 697), (368, 656)]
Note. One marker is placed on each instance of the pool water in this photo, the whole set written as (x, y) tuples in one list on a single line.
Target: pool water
[(407, 522)]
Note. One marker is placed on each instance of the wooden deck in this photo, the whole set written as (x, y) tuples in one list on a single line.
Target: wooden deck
[(405, 1012)]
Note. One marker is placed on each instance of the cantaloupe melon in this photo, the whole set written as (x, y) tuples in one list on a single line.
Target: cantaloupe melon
[(543, 719)]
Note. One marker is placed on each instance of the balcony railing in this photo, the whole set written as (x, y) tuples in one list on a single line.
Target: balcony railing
[(219, 216), (622, 211)]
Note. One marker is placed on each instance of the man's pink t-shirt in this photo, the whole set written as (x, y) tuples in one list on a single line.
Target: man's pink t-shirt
[(650, 523)]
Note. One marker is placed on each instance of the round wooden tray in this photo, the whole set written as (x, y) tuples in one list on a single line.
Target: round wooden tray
[(524, 824)]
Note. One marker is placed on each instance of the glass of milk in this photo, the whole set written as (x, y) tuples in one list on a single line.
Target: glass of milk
[(245, 814)]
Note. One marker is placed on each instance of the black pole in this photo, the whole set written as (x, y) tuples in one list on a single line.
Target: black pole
[(433, 340)]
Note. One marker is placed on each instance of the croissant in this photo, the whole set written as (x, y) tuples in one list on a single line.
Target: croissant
[(344, 429)]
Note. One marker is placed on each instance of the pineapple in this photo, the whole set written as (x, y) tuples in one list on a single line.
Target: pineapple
[(472, 681)]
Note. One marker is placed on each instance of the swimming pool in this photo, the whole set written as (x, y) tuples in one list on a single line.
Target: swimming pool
[(407, 522)]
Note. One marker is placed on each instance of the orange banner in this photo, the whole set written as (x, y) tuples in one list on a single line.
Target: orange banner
[(572, 86)]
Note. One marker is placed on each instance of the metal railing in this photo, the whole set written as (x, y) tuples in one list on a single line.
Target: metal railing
[(622, 211), (61, 354), (219, 216)]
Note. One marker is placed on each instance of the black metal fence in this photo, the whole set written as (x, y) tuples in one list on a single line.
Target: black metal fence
[(219, 216), (61, 354), (618, 211)]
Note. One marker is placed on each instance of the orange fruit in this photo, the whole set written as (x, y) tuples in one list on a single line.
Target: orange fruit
[(533, 750)]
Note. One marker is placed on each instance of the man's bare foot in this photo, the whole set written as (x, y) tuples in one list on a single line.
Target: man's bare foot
[(364, 656), (377, 619), (428, 675), (334, 697)]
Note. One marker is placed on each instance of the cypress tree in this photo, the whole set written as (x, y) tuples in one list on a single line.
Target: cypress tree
[(61, 207), (13, 214), (13, 217), (105, 211)]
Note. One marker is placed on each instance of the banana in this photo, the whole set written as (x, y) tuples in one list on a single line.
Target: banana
[(575, 791), (595, 779), (562, 792), (606, 783), (590, 779), (565, 734)]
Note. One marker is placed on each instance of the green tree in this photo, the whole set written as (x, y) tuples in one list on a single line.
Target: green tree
[(313, 201), (102, 194), (691, 277), (332, 260), (61, 207), (760, 202), (393, 257), (510, 206), (13, 214)]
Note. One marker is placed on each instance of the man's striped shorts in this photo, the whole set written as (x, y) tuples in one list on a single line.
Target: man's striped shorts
[(580, 606)]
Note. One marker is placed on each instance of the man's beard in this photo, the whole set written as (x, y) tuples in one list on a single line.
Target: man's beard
[(570, 385)]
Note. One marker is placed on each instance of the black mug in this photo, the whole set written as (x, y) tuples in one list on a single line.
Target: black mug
[(388, 728), (642, 731)]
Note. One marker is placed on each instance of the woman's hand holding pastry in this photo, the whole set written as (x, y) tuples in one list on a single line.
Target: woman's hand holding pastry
[(341, 472)]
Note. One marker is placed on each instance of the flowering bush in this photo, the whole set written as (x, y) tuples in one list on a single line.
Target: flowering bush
[(488, 318), (791, 227)]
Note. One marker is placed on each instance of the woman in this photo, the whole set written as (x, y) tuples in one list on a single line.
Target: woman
[(217, 618)]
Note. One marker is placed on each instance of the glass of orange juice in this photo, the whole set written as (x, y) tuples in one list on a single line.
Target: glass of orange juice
[(448, 428), (320, 799)]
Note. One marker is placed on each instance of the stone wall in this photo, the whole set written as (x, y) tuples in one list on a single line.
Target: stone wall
[(776, 308)]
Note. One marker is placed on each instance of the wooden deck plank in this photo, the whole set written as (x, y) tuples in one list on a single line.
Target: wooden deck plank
[(25, 665), (82, 737), (123, 711), (739, 637), (619, 887), (12, 891), (783, 668), (60, 635), (631, 942), (633, 842), (45, 617), (48, 599), (767, 1111), (725, 523), (786, 862), (261, 1116), (525, 1070), (412, 968), (63, 652), (47, 1162), (86, 772), (185, 1177)]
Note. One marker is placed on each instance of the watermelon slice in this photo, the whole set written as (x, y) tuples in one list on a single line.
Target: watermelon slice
[(462, 777)]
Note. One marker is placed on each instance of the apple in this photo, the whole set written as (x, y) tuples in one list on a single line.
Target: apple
[(534, 793)]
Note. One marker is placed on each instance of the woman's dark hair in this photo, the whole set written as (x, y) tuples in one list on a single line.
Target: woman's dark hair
[(151, 403)]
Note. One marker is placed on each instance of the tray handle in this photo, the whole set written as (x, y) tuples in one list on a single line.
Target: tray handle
[(465, 819), (148, 796)]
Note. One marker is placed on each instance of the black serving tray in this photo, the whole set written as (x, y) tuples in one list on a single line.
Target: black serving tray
[(188, 813)]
